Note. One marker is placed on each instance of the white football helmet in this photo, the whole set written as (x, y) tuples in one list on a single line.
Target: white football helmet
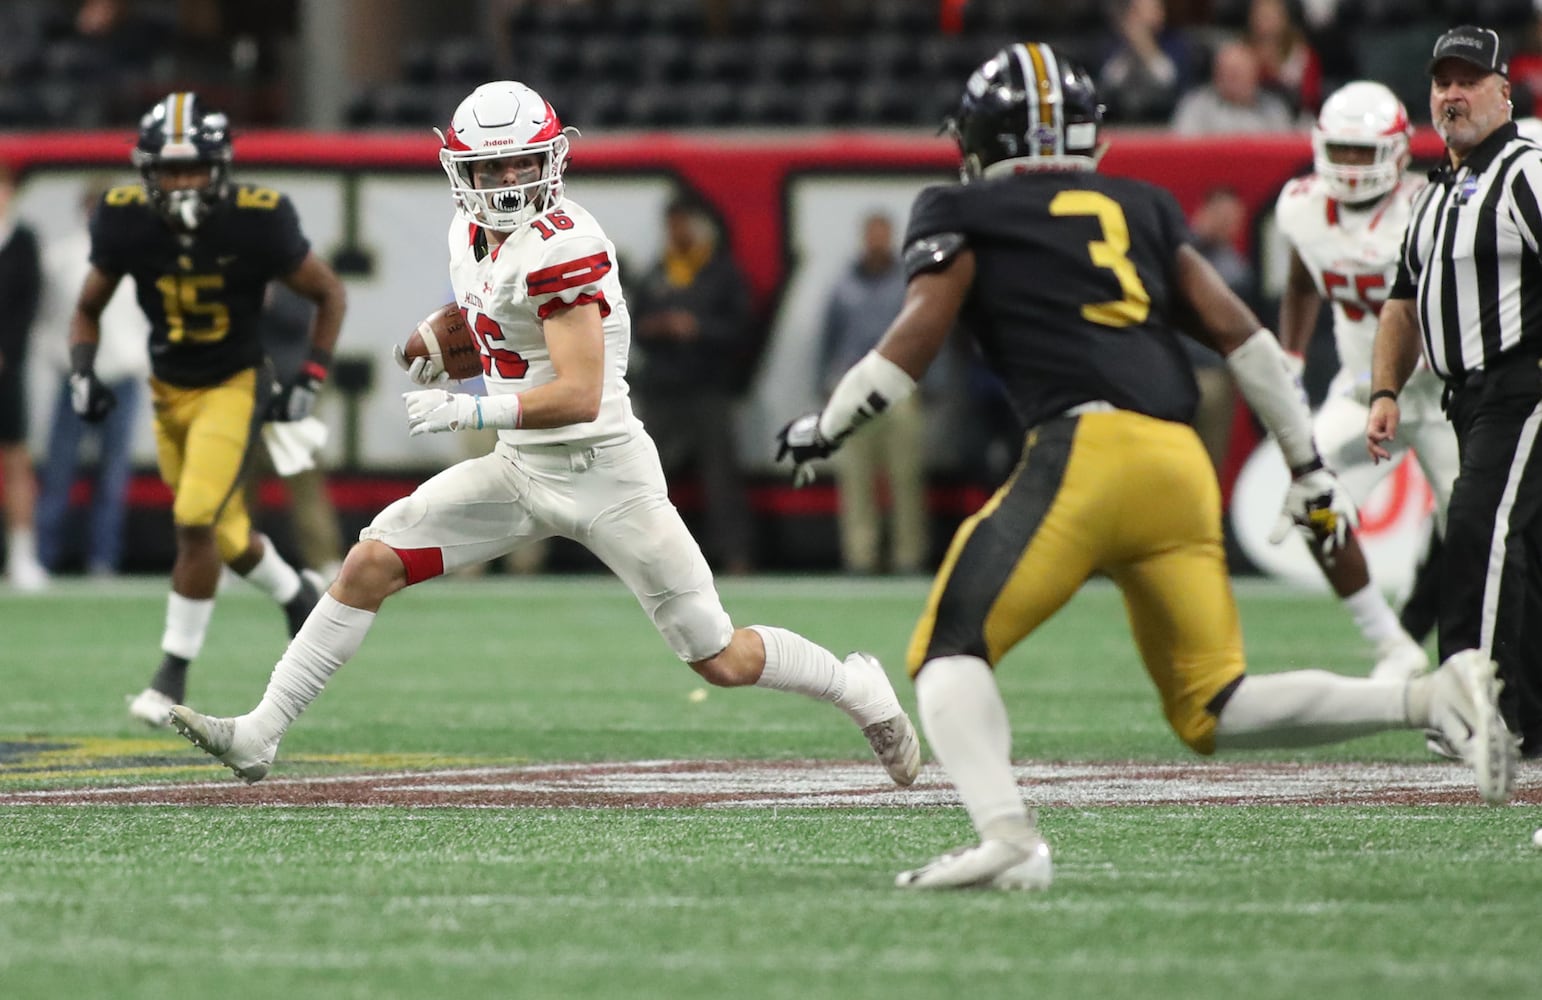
[(1368, 115), (498, 120)]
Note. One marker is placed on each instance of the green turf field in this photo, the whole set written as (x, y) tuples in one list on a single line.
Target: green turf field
[(761, 895)]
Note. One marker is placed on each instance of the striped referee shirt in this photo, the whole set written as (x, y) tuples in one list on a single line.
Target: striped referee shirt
[(1472, 257)]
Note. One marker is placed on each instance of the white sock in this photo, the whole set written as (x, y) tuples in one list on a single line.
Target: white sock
[(20, 546), (328, 639), (794, 663), (1309, 707), (1417, 701), (273, 576), (187, 622), (966, 724), (1373, 616)]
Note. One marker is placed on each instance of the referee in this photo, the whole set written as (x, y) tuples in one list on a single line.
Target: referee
[(1469, 292)]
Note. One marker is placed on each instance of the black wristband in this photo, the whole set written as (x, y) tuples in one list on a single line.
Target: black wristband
[(1384, 394), (1313, 466)]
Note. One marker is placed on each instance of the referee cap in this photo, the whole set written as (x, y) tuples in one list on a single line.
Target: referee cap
[(1471, 44)]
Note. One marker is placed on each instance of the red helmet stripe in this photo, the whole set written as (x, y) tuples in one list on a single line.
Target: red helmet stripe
[(551, 129), (453, 141)]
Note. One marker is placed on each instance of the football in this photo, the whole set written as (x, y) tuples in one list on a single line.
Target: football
[(445, 337)]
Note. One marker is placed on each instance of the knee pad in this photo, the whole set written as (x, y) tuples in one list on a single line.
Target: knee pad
[(399, 516), (694, 625)]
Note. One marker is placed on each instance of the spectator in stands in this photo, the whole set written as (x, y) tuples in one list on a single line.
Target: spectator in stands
[(122, 362), (20, 282), (1526, 68), (1148, 63), (1287, 63), (1218, 226), (865, 299), (690, 324), (1331, 27), (1232, 101)]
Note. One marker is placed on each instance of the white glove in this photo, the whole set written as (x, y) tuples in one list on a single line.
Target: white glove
[(1318, 506), (432, 410), (423, 371)]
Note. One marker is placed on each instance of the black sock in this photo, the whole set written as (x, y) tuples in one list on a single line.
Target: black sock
[(171, 679)]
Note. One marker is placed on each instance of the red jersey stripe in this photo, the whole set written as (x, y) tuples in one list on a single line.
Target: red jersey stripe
[(574, 272), (552, 305)]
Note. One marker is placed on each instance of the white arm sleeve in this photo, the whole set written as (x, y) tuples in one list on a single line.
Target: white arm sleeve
[(1263, 374), (868, 388)]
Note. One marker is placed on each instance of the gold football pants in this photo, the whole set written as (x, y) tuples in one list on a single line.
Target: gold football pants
[(1118, 493), (202, 437)]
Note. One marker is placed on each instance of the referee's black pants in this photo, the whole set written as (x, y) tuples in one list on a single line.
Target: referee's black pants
[(1491, 597)]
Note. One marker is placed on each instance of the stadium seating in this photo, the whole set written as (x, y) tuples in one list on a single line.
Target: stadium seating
[(626, 63)]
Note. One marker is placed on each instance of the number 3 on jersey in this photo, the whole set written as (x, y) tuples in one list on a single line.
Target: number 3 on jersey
[(496, 359), (1110, 252)]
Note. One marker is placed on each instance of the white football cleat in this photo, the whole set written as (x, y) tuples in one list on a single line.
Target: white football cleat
[(27, 575), (1399, 658), (151, 707), (897, 746), (894, 738), (224, 740), (1435, 743), (1464, 706), (991, 864)]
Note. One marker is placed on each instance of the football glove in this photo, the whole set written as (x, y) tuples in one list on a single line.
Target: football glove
[(296, 400), (1318, 506), (430, 411), (801, 442), (90, 398), (421, 371)]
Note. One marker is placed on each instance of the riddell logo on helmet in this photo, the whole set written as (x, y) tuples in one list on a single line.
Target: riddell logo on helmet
[(500, 142)]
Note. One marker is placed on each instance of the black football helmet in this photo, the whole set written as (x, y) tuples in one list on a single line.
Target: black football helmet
[(1030, 106), (180, 130)]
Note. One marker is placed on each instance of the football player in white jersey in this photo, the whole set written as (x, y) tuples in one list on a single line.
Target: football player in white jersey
[(536, 278), (1345, 225)]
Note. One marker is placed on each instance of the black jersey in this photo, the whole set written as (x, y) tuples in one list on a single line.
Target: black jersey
[(1073, 288), (202, 291)]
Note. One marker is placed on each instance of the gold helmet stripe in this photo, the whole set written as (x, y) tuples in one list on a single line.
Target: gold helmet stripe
[(174, 118), (1041, 74)]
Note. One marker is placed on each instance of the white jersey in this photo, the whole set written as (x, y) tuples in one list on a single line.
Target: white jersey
[(1351, 255), (561, 258)]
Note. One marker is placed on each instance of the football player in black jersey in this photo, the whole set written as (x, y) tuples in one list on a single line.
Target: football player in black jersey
[(1075, 286), (201, 250)]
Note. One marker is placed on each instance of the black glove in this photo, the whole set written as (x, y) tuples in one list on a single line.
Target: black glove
[(296, 400), (90, 398), (801, 441)]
